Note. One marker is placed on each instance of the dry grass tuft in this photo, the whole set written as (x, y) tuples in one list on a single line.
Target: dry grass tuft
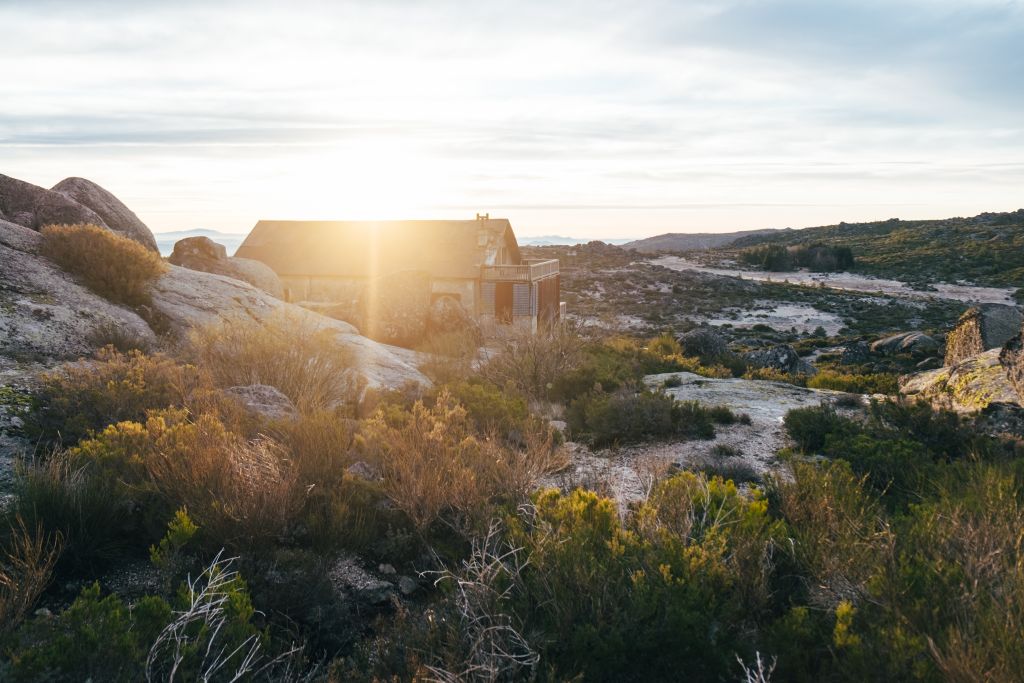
[(25, 570), (290, 351)]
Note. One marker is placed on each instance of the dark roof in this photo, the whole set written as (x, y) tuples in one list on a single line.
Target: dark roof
[(372, 248)]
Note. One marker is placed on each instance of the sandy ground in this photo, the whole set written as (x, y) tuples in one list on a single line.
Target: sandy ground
[(780, 316), (627, 473), (850, 282)]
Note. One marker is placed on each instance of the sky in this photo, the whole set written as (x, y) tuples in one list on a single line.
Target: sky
[(597, 118)]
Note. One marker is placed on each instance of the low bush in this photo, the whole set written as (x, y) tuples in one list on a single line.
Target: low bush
[(534, 363), (115, 267), (627, 417), (878, 383), (79, 398), (450, 355), (436, 469), (810, 427), (289, 351)]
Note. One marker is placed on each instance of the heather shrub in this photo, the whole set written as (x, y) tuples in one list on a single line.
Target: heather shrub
[(115, 267), (877, 383), (642, 601), (436, 468), (79, 398), (290, 351), (627, 417), (810, 427)]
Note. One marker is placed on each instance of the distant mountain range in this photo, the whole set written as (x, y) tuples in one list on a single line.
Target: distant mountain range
[(551, 240), (694, 241), (165, 240)]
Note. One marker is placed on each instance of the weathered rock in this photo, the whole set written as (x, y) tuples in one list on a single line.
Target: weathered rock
[(970, 386), (264, 400), (929, 363), (704, 342), (34, 207), (782, 357), (982, 328), (202, 253), (856, 353), (905, 342), (407, 585), (45, 314), (114, 213), (397, 307), (1011, 357), (449, 315), (349, 579), (184, 298)]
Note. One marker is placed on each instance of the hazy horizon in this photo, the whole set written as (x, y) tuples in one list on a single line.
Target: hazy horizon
[(587, 119)]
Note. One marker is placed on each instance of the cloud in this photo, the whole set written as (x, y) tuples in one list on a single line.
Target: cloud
[(731, 105)]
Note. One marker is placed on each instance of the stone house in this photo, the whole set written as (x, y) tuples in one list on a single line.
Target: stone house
[(370, 268)]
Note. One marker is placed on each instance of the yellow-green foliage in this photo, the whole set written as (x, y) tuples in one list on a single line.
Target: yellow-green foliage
[(180, 531), (78, 398), (113, 266)]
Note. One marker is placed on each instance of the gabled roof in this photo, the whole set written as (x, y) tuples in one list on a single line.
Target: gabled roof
[(373, 248)]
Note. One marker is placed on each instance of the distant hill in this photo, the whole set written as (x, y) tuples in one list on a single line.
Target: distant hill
[(165, 240), (695, 241), (551, 240), (987, 249)]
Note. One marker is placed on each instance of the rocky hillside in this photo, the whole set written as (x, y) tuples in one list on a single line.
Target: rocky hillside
[(697, 241), (987, 249)]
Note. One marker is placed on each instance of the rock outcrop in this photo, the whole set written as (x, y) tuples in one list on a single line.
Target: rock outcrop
[(970, 386), (1011, 357), (33, 207), (982, 328), (855, 353), (202, 253), (264, 400), (45, 314), (703, 342), (74, 200), (184, 298), (110, 209), (782, 357), (916, 343)]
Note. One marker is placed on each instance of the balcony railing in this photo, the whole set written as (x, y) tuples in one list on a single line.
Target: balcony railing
[(531, 271)]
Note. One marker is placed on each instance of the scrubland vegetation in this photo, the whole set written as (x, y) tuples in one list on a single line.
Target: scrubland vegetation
[(886, 548), (816, 257)]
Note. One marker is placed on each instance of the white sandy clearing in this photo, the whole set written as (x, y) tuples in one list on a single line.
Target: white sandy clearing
[(850, 282), (780, 317)]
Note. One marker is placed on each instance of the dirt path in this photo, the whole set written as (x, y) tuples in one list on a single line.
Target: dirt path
[(850, 282)]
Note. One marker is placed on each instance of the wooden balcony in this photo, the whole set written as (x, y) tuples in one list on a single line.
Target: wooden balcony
[(531, 271)]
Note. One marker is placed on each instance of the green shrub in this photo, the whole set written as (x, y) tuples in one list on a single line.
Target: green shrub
[(79, 398), (115, 267), (878, 383), (810, 427), (630, 417)]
